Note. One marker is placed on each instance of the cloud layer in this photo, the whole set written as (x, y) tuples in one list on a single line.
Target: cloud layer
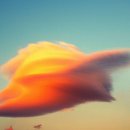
[(47, 77)]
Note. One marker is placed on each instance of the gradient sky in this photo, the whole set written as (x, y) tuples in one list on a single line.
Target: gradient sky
[(91, 25)]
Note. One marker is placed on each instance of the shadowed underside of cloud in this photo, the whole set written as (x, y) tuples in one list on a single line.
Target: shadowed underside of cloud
[(47, 77)]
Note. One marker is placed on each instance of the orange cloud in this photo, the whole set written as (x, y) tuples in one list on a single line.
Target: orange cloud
[(47, 77)]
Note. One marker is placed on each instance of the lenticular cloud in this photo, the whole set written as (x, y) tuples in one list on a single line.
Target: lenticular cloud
[(47, 77)]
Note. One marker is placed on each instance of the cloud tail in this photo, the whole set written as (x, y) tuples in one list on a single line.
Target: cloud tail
[(110, 60)]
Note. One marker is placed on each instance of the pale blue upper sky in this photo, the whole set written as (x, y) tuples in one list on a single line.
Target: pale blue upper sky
[(89, 24)]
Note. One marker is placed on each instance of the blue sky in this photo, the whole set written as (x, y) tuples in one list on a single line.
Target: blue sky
[(91, 25)]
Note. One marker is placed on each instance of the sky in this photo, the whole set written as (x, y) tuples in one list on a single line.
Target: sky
[(89, 24)]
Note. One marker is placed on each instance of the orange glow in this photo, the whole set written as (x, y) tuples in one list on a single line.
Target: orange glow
[(47, 77)]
